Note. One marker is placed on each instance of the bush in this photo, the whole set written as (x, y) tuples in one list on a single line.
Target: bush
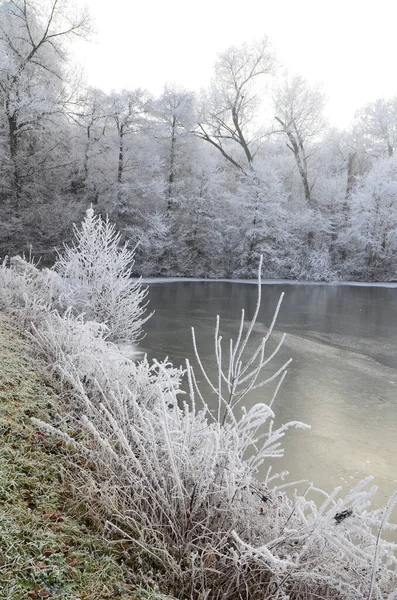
[(99, 274)]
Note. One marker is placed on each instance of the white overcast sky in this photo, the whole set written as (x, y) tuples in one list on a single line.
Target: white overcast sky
[(350, 46)]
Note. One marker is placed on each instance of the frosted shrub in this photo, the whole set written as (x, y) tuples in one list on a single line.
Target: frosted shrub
[(316, 265), (178, 483), (92, 281), (81, 355), (99, 273), (27, 294)]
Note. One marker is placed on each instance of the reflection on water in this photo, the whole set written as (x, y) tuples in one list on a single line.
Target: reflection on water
[(342, 381)]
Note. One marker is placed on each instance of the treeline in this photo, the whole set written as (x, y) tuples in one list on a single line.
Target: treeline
[(205, 182)]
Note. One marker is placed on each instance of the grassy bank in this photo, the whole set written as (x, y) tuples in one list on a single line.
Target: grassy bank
[(46, 551)]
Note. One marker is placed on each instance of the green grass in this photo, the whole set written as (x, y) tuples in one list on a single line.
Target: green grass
[(46, 549)]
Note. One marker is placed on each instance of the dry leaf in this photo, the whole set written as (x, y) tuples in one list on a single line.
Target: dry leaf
[(56, 517)]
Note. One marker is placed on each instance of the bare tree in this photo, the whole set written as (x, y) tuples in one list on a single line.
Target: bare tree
[(174, 114), (299, 113), (128, 111), (232, 102), (90, 113), (32, 51), (376, 127)]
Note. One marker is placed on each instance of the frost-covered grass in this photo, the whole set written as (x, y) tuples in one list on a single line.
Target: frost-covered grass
[(46, 551), (177, 484)]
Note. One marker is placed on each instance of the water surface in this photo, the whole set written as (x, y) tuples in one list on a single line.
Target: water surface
[(342, 381)]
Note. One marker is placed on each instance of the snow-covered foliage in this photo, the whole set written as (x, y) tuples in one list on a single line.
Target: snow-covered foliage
[(207, 182), (26, 293), (371, 238), (178, 483), (92, 280), (98, 273)]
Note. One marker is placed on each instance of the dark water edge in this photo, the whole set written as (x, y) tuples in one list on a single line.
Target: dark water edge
[(343, 378)]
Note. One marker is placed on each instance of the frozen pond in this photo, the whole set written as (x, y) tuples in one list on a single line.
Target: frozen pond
[(342, 381)]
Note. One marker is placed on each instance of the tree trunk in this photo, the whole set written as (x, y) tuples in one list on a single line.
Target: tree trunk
[(240, 137), (120, 167), (13, 144), (303, 174), (86, 149), (351, 176), (171, 172), (297, 148)]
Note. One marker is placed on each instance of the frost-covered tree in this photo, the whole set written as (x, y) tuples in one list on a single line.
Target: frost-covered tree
[(260, 209), (299, 113), (127, 110), (32, 87), (174, 122), (230, 106), (371, 239), (90, 113), (98, 275), (375, 127)]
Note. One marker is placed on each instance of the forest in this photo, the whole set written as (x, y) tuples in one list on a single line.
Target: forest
[(204, 182)]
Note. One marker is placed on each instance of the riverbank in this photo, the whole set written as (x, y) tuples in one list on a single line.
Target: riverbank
[(383, 284), (48, 547)]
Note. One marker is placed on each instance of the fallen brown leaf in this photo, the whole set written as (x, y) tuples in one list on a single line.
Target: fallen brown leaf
[(56, 517)]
